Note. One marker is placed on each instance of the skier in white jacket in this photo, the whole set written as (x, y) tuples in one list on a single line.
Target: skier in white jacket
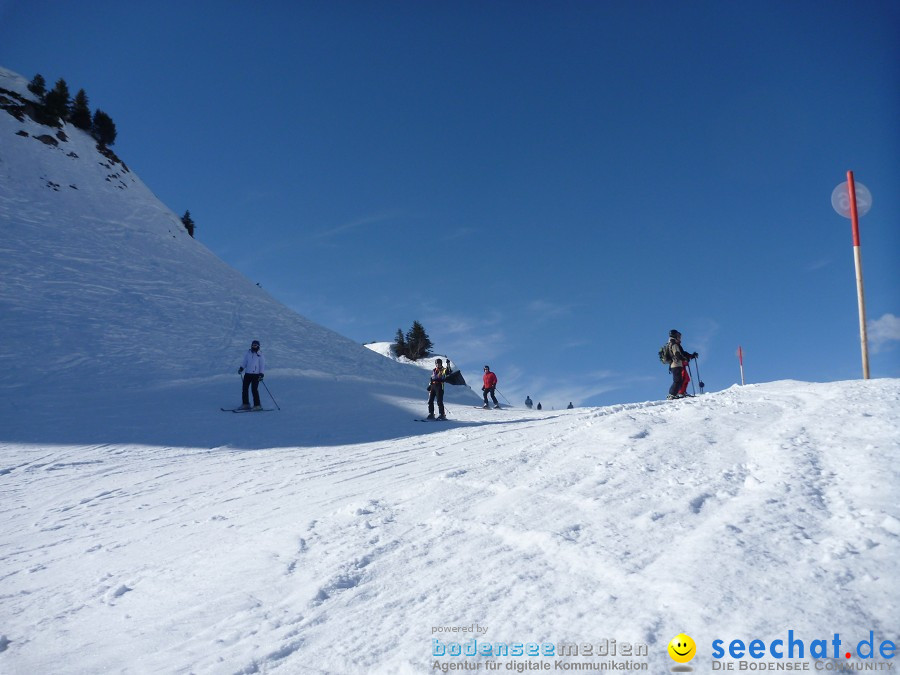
[(253, 368)]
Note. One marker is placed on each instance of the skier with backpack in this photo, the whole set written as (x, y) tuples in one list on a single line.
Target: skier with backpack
[(674, 355), (436, 389)]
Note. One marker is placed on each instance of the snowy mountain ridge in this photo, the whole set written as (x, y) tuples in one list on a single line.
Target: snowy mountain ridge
[(426, 364), (384, 348)]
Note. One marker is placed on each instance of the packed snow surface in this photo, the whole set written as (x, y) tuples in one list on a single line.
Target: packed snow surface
[(142, 530), (741, 514)]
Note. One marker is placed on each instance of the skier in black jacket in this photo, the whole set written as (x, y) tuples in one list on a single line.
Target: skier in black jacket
[(436, 389)]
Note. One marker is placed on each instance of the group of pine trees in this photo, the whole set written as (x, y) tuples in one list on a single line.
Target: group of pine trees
[(59, 105), (414, 345)]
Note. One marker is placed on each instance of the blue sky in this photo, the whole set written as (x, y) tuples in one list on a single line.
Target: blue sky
[(548, 187)]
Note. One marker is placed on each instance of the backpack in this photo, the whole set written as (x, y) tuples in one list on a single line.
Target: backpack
[(665, 355), (453, 376)]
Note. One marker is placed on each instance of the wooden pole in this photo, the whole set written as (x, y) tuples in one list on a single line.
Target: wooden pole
[(857, 260)]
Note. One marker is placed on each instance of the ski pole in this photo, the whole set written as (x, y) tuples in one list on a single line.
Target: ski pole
[(691, 375), (699, 380), (504, 398), (270, 394)]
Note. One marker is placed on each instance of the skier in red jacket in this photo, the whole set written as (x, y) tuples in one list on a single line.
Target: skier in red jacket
[(490, 384)]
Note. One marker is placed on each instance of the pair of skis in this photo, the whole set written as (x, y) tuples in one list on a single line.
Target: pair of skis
[(435, 419), (246, 410)]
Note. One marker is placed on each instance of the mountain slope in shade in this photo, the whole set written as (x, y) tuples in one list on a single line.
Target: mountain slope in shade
[(112, 311)]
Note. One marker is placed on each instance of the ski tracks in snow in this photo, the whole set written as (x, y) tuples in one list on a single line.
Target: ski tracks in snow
[(631, 522)]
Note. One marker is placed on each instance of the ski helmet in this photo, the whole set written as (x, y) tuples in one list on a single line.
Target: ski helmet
[(674, 333)]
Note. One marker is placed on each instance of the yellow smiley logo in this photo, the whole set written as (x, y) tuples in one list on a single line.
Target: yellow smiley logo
[(682, 648)]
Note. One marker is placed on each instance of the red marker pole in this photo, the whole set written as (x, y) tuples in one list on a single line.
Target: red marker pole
[(857, 259), (741, 361)]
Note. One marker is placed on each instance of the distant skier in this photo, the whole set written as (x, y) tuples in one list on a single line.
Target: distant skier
[(570, 406), (528, 402), (678, 366), (539, 406), (436, 390), (253, 368), (490, 385)]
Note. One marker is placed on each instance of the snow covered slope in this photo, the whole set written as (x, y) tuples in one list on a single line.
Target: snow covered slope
[(385, 349), (111, 311), (739, 515)]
